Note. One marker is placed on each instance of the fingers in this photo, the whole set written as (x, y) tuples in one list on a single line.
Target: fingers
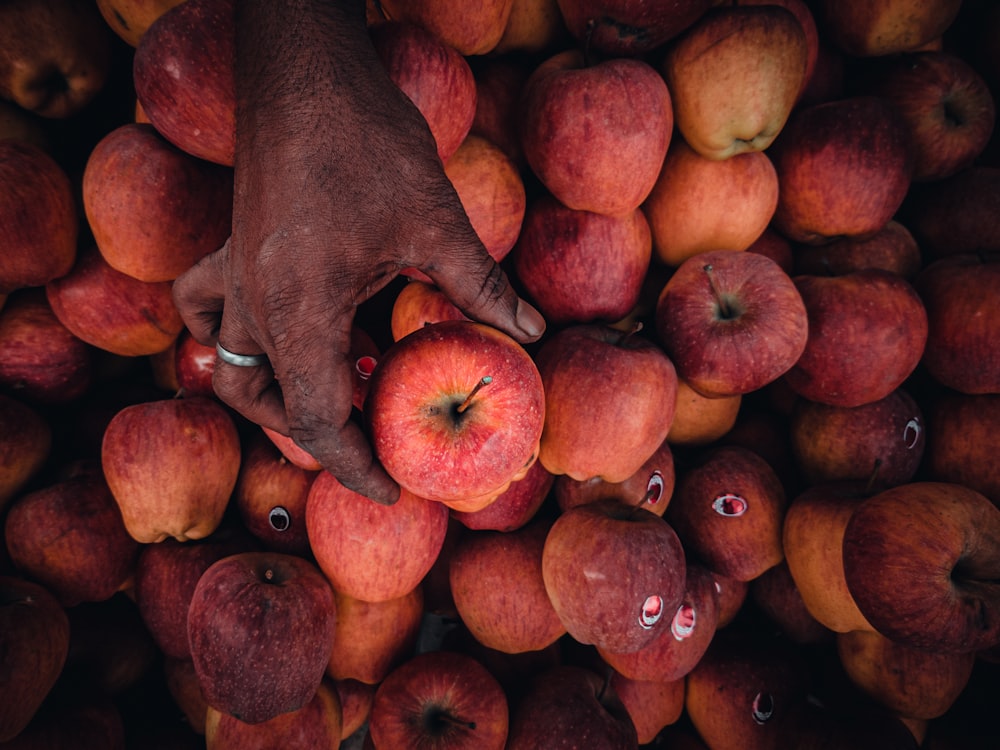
[(199, 297)]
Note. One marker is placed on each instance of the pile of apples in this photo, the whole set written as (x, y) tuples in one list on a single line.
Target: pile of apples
[(742, 494)]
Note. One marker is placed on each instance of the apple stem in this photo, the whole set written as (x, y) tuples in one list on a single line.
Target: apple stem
[(632, 331), (447, 718), (268, 574), (874, 475), (591, 25), (485, 380), (719, 300)]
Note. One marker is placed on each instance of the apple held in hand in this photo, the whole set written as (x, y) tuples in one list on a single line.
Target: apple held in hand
[(615, 574), (261, 627), (922, 562), (419, 303), (731, 322), (455, 412)]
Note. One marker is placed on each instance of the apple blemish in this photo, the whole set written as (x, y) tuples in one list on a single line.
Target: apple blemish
[(762, 707), (651, 612), (279, 518), (682, 626), (729, 505)]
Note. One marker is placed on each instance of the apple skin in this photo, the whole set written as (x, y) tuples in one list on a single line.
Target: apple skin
[(868, 29), (534, 27), (867, 332), (580, 266), (700, 420), (723, 103), (596, 135), (603, 387), (614, 573), (471, 29), (356, 700), (651, 705), (731, 322), (883, 441), (370, 551), (515, 506), (435, 77), (728, 509), (38, 216), (466, 456), (936, 546), (193, 366), (129, 19), (699, 204), (565, 704), (154, 210), (113, 311), (891, 248), (959, 441), (182, 684), (69, 537), (843, 169), (419, 303), (499, 83), (499, 592), (36, 636), (626, 28), (261, 627), (776, 596), (172, 465), (43, 362), (962, 352), (443, 699), (946, 106), (184, 78), (25, 445), (56, 56)]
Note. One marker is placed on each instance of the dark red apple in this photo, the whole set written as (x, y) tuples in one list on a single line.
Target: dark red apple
[(514, 507), (960, 443), (627, 28), (25, 445)]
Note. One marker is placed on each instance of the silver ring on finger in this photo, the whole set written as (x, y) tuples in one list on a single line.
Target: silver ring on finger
[(239, 360)]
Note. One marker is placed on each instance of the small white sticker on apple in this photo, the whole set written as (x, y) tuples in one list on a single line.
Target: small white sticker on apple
[(911, 433), (762, 707), (279, 518), (652, 611), (729, 505), (683, 623), (654, 488)]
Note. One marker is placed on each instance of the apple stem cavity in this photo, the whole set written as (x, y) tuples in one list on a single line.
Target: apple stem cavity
[(485, 380), (726, 308), (449, 720)]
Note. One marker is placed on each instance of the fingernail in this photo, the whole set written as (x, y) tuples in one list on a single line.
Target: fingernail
[(529, 320)]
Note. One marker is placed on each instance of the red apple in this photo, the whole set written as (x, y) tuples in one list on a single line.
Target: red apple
[(891, 248), (603, 387), (193, 365), (184, 78), (775, 594), (615, 574), (25, 445), (776, 247), (862, 28), (471, 29), (442, 699), (455, 412), (371, 551), (38, 216), (419, 303), (596, 135), (867, 332), (803, 13), (921, 560), (960, 441), (499, 83), (356, 700), (651, 705), (580, 266), (515, 506), (182, 684), (628, 28), (154, 210), (534, 27), (261, 627), (172, 465), (700, 420), (731, 322)]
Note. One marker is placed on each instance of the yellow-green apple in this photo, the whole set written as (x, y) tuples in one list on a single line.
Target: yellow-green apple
[(435, 77), (960, 442), (172, 465), (867, 332), (734, 76), (651, 705), (700, 204), (803, 13), (728, 509), (497, 586), (580, 266), (603, 387), (882, 440), (624, 28), (812, 539), (700, 420), (373, 638), (596, 134), (69, 537), (843, 169), (419, 303), (166, 574), (441, 699), (26, 439), (193, 365), (866, 28), (113, 311), (184, 77), (356, 700), (154, 210), (370, 551), (775, 595), (962, 350), (41, 360), (36, 643), (936, 549), (650, 487), (946, 107), (515, 506), (567, 704), (676, 650), (38, 217), (910, 682), (891, 248), (499, 82), (270, 495), (534, 27), (455, 412), (260, 627), (471, 29), (129, 19), (731, 322), (615, 574), (55, 57), (318, 723), (744, 690)]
